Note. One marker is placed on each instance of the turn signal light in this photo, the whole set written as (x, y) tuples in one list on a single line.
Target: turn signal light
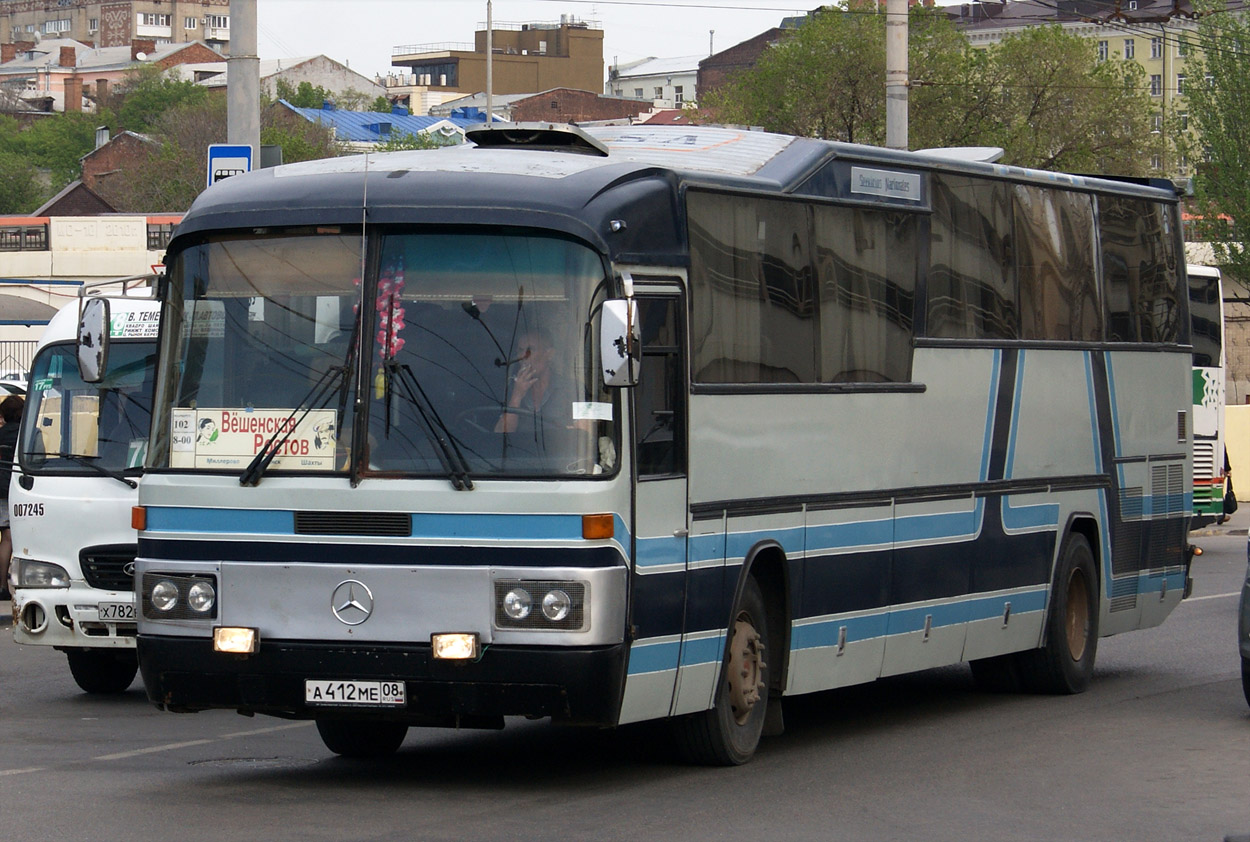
[(138, 518), (597, 526)]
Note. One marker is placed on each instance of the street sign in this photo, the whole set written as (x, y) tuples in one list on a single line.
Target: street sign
[(227, 159)]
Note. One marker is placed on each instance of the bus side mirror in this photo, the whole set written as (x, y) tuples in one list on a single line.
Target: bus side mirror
[(620, 342), (93, 339)]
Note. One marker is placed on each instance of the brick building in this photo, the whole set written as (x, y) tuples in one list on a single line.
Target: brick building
[(565, 105)]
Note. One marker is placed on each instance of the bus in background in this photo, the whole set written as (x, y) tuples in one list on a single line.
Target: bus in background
[(636, 423), (1206, 310), (79, 460)]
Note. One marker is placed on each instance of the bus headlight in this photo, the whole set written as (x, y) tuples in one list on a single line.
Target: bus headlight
[(29, 573), (201, 597), (562, 605), (164, 596)]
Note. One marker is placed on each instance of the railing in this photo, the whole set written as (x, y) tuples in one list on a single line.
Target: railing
[(24, 237), (16, 356), (441, 47)]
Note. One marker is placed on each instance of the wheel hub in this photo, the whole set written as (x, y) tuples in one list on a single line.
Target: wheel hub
[(746, 670)]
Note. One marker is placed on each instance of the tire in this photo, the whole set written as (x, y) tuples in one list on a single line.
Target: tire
[(999, 674), (103, 671), (1245, 678), (358, 738), (1065, 664), (728, 733)]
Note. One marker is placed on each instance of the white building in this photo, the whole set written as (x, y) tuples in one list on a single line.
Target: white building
[(665, 82)]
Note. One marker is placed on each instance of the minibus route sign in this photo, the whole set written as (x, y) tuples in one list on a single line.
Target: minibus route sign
[(231, 438)]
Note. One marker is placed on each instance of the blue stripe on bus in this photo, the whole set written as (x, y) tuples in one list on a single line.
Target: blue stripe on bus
[(1015, 418), (705, 650), (253, 521), (1041, 516), (653, 657), (846, 536), (1115, 409), (987, 443), (938, 527)]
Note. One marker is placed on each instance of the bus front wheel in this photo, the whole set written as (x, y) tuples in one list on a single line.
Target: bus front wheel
[(103, 671), (358, 738), (728, 733), (1065, 664)]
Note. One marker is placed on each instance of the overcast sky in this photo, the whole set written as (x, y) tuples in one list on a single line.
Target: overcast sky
[(362, 32)]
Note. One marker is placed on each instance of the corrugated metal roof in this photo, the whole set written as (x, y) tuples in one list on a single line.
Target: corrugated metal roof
[(374, 126)]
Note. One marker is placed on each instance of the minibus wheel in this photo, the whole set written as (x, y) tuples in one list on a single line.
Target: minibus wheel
[(1065, 664), (103, 671), (359, 738)]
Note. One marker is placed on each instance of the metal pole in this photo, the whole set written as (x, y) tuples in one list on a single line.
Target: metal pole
[(243, 79), (896, 74), (490, 62)]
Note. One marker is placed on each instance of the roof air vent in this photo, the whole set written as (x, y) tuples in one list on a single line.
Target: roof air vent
[(544, 137)]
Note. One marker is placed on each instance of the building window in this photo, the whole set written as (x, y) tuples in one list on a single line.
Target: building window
[(1128, 48), (217, 21), (1104, 49), (93, 24), (1182, 166), (1180, 83), (1182, 47), (1184, 121), (146, 19), (30, 27), (1132, 5), (659, 93), (190, 23), (1156, 85), (1156, 162), (678, 96), (1157, 122), (637, 93), (53, 26), (1156, 47)]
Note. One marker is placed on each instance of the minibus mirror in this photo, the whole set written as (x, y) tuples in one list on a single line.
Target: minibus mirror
[(93, 339), (620, 342)]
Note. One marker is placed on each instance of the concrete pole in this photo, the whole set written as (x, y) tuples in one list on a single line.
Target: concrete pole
[(490, 64), (243, 79), (896, 74)]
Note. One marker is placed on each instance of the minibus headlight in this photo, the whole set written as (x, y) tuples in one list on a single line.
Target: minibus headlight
[(201, 597), (164, 595), (542, 605), (556, 605), (39, 574)]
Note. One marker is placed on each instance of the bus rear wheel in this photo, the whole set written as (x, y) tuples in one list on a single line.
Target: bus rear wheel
[(1065, 664), (728, 733), (359, 738), (103, 671), (1245, 678)]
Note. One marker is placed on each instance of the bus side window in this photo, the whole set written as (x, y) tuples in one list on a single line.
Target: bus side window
[(660, 396)]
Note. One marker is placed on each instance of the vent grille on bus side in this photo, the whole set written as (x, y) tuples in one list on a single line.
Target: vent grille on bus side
[(1182, 426), (385, 524), (110, 568), (1204, 459)]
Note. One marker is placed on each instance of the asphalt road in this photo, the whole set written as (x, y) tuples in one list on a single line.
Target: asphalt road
[(1156, 750)]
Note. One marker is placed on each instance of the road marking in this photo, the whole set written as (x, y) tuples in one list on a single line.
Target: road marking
[(1213, 596), (265, 730), (121, 755), (5, 772)]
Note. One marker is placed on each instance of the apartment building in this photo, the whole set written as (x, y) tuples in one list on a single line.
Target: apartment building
[(115, 23), (527, 57), (664, 82)]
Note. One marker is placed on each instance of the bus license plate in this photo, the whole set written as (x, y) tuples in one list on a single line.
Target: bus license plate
[(355, 693), (116, 610)]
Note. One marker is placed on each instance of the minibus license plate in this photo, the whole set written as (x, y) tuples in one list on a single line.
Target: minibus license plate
[(364, 693), (116, 610)]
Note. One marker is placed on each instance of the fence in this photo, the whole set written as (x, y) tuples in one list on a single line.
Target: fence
[(16, 356)]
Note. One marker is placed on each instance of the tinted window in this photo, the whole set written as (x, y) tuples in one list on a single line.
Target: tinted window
[(972, 282), (1206, 315), (1141, 271), (1055, 264)]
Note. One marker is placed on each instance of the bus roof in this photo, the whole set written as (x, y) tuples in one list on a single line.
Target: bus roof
[(564, 189)]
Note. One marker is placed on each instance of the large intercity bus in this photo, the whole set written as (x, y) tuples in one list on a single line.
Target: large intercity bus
[(1206, 307), (79, 458), (634, 423)]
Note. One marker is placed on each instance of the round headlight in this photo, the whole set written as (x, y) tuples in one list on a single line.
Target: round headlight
[(164, 595), (201, 597), (516, 604), (556, 605)]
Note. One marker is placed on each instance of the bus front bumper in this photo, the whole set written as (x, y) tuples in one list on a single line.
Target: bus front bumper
[(578, 686)]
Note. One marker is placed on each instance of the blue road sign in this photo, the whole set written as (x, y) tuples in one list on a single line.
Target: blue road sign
[(227, 159)]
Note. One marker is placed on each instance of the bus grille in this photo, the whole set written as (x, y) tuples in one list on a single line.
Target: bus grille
[(386, 524), (1204, 459), (109, 568)]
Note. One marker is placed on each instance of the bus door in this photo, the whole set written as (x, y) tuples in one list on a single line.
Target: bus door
[(658, 432)]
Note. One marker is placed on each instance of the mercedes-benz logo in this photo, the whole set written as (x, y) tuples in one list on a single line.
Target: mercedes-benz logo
[(351, 602)]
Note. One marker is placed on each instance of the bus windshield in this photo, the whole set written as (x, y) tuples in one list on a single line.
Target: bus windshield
[(78, 428), (478, 359)]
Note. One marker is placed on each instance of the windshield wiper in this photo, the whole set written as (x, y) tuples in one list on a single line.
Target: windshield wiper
[(316, 398), (453, 461), (99, 469)]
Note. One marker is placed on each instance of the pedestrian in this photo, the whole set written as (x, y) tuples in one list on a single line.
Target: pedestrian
[(10, 416)]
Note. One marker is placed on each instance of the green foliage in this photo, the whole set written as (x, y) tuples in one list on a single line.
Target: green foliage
[(146, 95), (1218, 112), (305, 95), (20, 190), (401, 141), (1041, 95), (57, 144), (381, 104)]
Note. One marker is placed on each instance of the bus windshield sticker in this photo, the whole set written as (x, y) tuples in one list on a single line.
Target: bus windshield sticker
[(231, 438), (592, 411), (136, 324), (892, 185), (207, 319)]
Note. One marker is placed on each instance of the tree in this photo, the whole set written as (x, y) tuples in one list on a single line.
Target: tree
[(146, 94), (1042, 95), (381, 104), (20, 190), (1217, 111), (400, 141)]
